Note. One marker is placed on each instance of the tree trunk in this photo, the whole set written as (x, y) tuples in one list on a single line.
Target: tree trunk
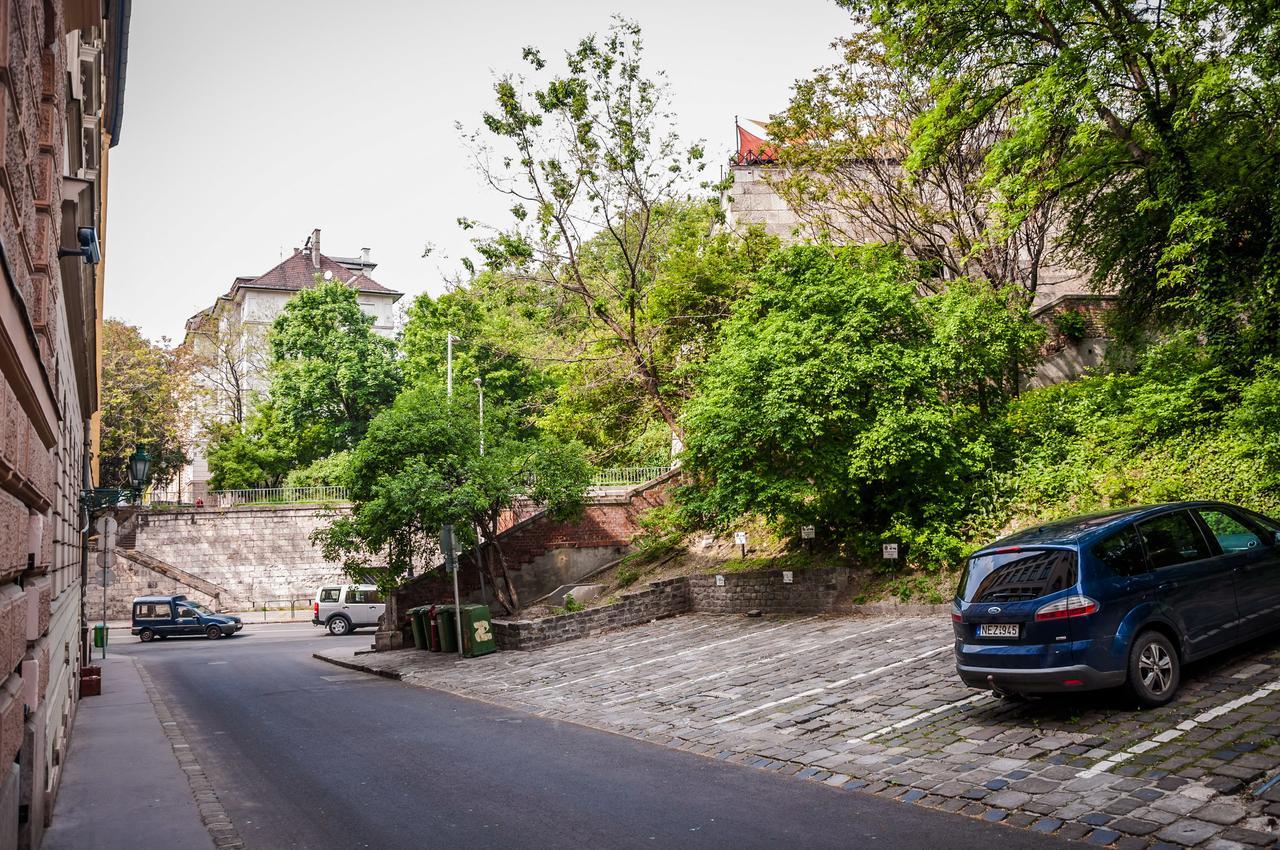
[(486, 564)]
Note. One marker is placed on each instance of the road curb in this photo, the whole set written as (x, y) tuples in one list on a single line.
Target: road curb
[(212, 813), (357, 666)]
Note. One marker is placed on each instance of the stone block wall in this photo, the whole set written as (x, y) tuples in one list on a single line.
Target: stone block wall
[(257, 554), (661, 599), (809, 592)]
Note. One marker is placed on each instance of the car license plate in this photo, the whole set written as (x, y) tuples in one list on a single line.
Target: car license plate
[(999, 630)]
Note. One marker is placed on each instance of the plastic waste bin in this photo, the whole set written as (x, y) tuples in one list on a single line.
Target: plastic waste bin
[(99, 635), (477, 631), (419, 627), (447, 628), (432, 627)]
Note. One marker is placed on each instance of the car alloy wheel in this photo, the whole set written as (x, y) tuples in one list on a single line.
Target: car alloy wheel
[(339, 626), (1156, 668), (145, 635), (213, 632), (1154, 671)]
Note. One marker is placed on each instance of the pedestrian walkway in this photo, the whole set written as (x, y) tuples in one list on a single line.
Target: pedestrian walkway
[(123, 787)]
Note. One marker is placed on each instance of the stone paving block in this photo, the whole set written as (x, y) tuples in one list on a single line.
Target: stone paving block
[(725, 686), (1188, 832)]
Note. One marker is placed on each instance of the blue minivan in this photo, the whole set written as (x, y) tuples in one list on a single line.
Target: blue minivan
[(1123, 598), (163, 616)]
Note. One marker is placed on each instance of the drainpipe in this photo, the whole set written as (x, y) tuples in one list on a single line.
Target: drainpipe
[(87, 483)]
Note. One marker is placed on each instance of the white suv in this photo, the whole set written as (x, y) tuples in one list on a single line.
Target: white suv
[(343, 608)]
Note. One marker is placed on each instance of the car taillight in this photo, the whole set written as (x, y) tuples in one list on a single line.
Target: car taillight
[(316, 608), (1068, 606), (956, 616)]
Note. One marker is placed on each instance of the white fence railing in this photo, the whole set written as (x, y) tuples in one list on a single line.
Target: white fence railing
[(627, 475), (624, 476), (277, 496)]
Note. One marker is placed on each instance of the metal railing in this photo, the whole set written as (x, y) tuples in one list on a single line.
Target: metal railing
[(276, 496), (628, 475)]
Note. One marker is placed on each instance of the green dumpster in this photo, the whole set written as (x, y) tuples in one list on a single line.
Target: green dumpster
[(477, 631), (99, 635), (447, 628), (419, 627)]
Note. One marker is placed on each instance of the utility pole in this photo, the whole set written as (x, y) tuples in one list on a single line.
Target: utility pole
[(484, 594), (450, 339)]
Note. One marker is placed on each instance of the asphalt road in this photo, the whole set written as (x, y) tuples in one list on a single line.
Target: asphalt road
[(304, 754)]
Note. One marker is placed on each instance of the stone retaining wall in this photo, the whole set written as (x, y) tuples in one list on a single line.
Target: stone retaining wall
[(259, 554), (809, 592), (661, 599)]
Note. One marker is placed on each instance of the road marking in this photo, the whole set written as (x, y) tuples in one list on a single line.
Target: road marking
[(832, 685), (924, 715), (1178, 731), (662, 658), (740, 667), (211, 663)]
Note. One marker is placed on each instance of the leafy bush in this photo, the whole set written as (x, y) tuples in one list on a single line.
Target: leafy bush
[(839, 397), (330, 471), (1071, 324)]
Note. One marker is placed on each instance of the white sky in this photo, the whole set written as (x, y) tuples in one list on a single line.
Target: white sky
[(249, 122)]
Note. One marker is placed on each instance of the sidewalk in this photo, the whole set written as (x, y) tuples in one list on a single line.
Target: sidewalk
[(123, 787)]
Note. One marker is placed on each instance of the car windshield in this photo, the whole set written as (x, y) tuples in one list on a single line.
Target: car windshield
[(1016, 575), (198, 608)]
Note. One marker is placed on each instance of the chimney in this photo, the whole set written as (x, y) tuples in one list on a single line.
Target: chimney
[(364, 257), (314, 242)]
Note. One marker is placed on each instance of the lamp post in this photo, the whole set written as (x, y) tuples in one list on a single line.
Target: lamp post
[(450, 339), (480, 386), (484, 594), (99, 500)]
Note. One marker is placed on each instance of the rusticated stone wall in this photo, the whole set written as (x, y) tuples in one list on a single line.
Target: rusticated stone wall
[(257, 554)]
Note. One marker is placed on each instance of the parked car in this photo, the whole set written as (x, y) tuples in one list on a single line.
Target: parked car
[(163, 616), (343, 608), (1123, 598)]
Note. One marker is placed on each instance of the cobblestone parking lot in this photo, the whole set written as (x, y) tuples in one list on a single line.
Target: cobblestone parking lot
[(873, 704)]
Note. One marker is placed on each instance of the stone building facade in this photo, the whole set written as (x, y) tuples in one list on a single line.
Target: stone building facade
[(62, 88), (229, 338)]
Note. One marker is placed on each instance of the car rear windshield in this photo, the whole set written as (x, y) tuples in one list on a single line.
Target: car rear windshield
[(1016, 575)]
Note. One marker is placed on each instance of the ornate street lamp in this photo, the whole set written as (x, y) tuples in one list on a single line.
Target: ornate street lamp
[(139, 470), (101, 498)]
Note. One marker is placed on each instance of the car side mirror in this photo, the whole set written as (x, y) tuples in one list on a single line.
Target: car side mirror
[(1275, 539)]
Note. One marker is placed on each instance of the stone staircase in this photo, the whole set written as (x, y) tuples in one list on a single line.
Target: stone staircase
[(167, 570)]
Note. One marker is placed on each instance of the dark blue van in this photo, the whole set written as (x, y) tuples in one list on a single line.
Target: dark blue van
[(162, 616), (1119, 598)]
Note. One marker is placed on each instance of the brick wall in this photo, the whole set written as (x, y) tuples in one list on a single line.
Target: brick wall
[(1092, 307), (607, 523)]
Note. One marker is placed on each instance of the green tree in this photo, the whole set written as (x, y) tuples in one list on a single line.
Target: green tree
[(594, 169), (843, 143), (499, 328), (145, 398), (328, 368), (419, 467), (260, 451), (837, 398), (1152, 122)]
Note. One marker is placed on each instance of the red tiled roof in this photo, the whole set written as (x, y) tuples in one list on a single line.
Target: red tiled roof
[(296, 273)]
